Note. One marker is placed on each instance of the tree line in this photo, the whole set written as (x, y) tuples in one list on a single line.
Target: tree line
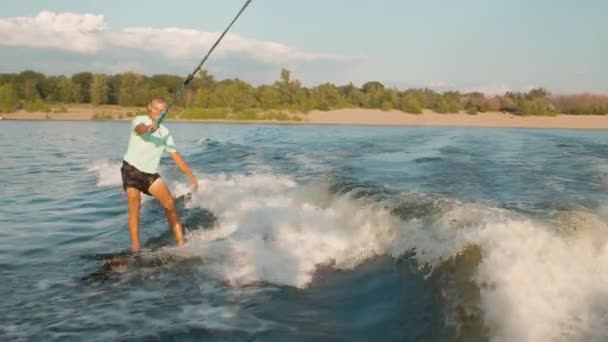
[(31, 90)]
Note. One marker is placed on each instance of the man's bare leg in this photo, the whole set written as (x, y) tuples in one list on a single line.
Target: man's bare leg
[(134, 198), (161, 192)]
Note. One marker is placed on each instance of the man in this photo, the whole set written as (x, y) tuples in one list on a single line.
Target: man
[(140, 170)]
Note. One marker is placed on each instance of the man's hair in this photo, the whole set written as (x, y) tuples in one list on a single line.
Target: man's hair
[(159, 99)]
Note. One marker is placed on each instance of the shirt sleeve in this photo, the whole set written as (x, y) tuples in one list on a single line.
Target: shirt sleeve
[(169, 144)]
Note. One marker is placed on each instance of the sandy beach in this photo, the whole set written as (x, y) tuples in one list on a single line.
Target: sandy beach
[(429, 118), (362, 117)]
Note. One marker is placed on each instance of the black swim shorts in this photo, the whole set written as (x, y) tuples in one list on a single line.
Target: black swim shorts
[(132, 177)]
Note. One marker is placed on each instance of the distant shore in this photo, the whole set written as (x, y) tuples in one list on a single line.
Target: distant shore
[(356, 117)]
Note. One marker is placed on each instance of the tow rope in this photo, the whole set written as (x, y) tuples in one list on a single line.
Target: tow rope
[(191, 75)]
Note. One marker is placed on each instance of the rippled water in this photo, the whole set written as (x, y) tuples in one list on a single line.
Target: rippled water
[(300, 233)]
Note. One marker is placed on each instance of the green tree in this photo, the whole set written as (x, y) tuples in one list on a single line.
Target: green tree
[(447, 105), (29, 85), (353, 96), (51, 89), (77, 96), (134, 91), (163, 85), (474, 102), (204, 80), (304, 100), (99, 89), (7, 78), (8, 98), (82, 82), (48, 88), (374, 94), (410, 104), (428, 97), (287, 89), (114, 82), (390, 99), (537, 93), (65, 92), (204, 98), (536, 106), (372, 86), (508, 103), (327, 96), (235, 95), (449, 102), (471, 108), (160, 92), (268, 97), (169, 82)]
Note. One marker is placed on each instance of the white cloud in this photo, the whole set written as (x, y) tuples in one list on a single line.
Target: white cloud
[(88, 34), (67, 31), (177, 43), (174, 43), (270, 51)]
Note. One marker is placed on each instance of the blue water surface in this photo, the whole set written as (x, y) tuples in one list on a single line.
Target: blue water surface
[(322, 233)]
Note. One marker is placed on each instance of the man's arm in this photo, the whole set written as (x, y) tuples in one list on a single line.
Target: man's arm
[(142, 128), (184, 168)]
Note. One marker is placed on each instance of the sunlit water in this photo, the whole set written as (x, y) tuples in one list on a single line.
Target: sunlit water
[(309, 233)]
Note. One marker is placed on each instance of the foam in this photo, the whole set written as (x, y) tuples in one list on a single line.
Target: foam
[(108, 173), (539, 280), (270, 231)]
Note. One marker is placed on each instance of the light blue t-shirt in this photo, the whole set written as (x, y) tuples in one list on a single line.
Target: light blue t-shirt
[(144, 151)]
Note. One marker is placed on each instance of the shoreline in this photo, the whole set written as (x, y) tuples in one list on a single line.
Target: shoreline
[(368, 117)]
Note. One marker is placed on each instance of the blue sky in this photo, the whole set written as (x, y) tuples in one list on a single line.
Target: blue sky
[(485, 45)]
